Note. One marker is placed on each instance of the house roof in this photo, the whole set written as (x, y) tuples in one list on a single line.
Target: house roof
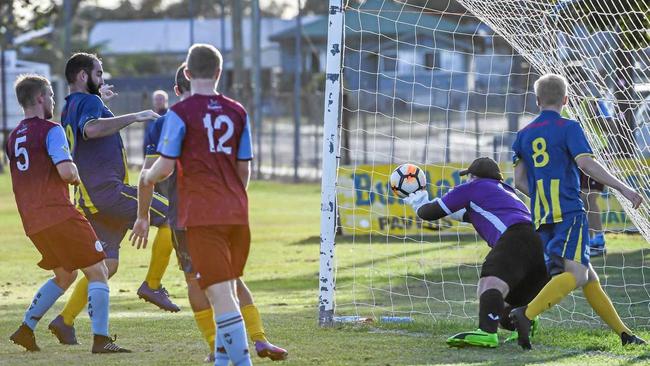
[(383, 17)]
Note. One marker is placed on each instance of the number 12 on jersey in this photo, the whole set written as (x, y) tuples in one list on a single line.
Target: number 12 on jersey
[(216, 125)]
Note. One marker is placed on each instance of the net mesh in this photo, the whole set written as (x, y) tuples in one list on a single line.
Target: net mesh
[(438, 84)]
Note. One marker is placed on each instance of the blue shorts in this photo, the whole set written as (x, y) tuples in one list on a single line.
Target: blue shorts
[(182, 252), (112, 223), (567, 239)]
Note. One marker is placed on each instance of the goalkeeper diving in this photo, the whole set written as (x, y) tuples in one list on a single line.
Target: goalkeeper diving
[(514, 270)]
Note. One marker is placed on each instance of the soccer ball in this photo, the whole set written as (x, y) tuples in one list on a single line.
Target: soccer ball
[(407, 179)]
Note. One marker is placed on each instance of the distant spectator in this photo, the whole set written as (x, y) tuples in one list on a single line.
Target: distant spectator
[(160, 101)]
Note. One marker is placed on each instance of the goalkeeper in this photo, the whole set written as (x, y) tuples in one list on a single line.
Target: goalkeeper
[(514, 270)]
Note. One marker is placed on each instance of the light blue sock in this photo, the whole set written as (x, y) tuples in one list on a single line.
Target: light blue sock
[(220, 357), (45, 297), (232, 334), (98, 307)]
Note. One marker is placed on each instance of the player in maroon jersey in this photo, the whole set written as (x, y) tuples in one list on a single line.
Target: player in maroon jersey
[(41, 169), (208, 137)]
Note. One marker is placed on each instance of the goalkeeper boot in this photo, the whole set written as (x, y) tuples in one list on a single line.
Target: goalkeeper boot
[(523, 325), (104, 344), (63, 332), (533, 331), (631, 339), (266, 349), (24, 337), (479, 338), (158, 297)]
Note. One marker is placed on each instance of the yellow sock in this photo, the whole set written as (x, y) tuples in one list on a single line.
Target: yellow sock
[(207, 327), (76, 302), (253, 323), (603, 306), (555, 290), (161, 250)]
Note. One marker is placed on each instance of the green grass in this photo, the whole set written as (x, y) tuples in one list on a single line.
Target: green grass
[(282, 273)]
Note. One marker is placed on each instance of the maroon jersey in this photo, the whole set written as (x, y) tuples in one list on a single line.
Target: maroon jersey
[(208, 134), (34, 148)]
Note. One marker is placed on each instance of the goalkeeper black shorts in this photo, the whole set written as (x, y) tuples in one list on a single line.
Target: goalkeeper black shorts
[(518, 260)]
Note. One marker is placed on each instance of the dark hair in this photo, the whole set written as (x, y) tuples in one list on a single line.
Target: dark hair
[(77, 62), (181, 81), (203, 61), (28, 87)]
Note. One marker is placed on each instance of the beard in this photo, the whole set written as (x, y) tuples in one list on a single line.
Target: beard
[(48, 113), (92, 87)]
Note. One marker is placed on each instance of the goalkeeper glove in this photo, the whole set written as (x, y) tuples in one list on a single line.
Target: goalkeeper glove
[(417, 199)]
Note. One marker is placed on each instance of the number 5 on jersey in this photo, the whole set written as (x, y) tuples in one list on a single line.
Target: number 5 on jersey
[(21, 150), (211, 127)]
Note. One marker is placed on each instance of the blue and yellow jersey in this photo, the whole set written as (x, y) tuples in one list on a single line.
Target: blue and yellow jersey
[(549, 147), (101, 161)]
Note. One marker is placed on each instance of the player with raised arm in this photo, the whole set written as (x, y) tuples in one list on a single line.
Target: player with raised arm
[(547, 155), (198, 301), (41, 169), (514, 269), (103, 195), (208, 136)]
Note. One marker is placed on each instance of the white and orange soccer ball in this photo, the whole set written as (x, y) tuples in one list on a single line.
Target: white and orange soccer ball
[(407, 179)]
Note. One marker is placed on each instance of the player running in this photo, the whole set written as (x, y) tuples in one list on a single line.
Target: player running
[(41, 169), (198, 301), (208, 136), (547, 155), (103, 195), (514, 270)]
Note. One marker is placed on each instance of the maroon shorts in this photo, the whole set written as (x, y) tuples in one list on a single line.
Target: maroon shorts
[(588, 185), (218, 252), (71, 244)]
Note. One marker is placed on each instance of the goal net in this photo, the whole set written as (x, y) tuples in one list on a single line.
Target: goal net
[(439, 83)]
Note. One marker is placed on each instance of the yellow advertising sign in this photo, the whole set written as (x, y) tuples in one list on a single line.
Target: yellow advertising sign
[(367, 204)]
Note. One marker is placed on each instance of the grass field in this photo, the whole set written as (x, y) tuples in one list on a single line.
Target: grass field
[(282, 273)]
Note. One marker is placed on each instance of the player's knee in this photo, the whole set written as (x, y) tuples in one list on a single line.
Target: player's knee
[(98, 272), (64, 279), (112, 265)]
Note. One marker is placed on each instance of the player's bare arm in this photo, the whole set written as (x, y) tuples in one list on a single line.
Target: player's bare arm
[(160, 170), (521, 181), (68, 172), (244, 170), (102, 127), (594, 169)]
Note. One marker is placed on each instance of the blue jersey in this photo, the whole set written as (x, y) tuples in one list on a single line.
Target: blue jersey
[(549, 147), (101, 161), (167, 187)]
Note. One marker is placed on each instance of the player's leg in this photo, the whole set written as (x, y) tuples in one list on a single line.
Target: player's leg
[(602, 305), (110, 232), (597, 237), (47, 294), (199, 302), (566, 246), (254, 326), (218, 266), (98, 308), (151, 289)]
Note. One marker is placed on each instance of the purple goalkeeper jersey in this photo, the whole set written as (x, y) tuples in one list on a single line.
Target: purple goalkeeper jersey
[(493, 207)]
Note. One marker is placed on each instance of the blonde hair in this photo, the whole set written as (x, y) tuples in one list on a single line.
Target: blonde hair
[(160, 92), (28, 87), (203, 61), (551, 90)]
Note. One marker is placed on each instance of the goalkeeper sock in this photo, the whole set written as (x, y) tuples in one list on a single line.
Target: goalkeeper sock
[(603, 306), (161, 250), (205, 322), (555, 290), (76, 302), (253, 323), (490, 310)]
